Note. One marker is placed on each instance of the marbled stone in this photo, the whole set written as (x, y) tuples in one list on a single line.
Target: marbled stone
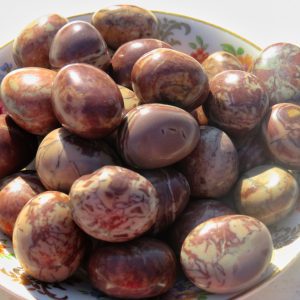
[(26, 94), (114, 204), (120, 24), (171, 77)]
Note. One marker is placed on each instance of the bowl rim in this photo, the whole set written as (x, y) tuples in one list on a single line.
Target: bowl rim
[(259, 48)]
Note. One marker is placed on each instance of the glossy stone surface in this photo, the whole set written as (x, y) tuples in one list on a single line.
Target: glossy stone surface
[(87, 101), (240, 250), (78, 42), (26, 94), (114, 204), (200, 116), (129, 98), (278, 67), (127, 55), (252, 151), (173, 192), (135, 270), (120, 24), (267, 193), (47, 243), (32, 45), (212, 167), (196, 212), (220, 61), (63, 157), (17, 147), (281, 131), (238, 102), (157, 135), (15, 191), (169, 76)]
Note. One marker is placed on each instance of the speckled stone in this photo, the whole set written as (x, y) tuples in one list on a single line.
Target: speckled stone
[(138, 269), (220, 61), (267, 193), (156, 135), (47, 243), (17, 147), (127, 55), (78, 42), (120, 24), (196, 212), (169, 76), (26, 94), (129, 98), (212, 167), (238, 102), (15, 191), (227, 254), (32, 45), (87, 101), (281, 131), (114, 204), (173, 192), (63, 157), (278, 67)]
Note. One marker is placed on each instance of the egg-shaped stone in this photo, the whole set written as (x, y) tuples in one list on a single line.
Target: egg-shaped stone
[(220, 61), (17, 147), (26, 94), (281, 132), (173, 192), (237, 103), (120, 24), (138, 269), (277, 66), (79, 42), (169, 76), (47, 243), (31, 47), (63, 157), (267, 193), (157, 135), (196, 212), (212, 167), (87, 101), (126, 56), (232, 251), (114, 204), (15, 191)]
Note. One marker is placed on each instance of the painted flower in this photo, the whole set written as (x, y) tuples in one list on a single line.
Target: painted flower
[(200, 53), (245, 59)]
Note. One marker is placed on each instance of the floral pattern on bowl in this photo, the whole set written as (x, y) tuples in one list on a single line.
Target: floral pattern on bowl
[(199, 39)]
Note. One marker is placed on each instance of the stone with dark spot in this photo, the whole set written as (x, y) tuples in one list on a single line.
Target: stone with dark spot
[(156, 135)]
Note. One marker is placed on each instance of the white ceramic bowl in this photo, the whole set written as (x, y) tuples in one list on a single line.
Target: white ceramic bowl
[(197, 38)]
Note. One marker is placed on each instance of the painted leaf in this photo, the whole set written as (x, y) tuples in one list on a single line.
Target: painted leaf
[(228, 48), (193, 45), (199, 40), (240, 51)]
